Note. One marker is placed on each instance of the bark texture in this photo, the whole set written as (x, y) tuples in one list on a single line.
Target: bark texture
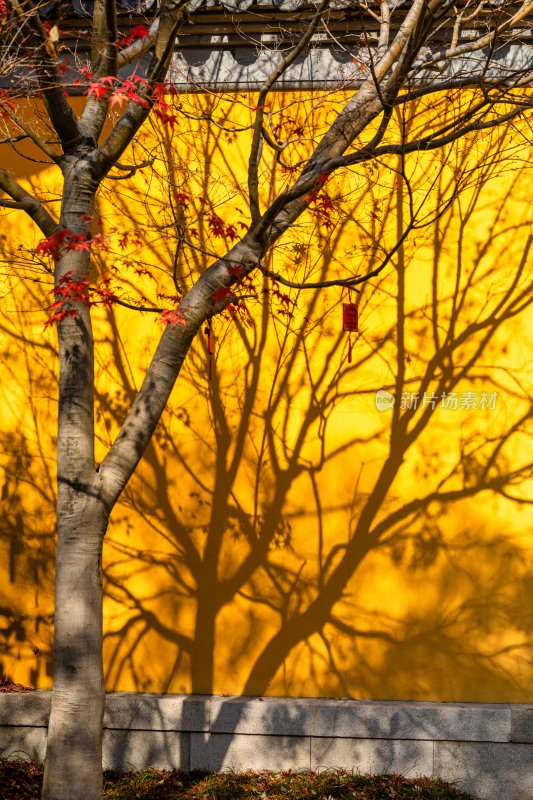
[(74, 751), (74, 748)]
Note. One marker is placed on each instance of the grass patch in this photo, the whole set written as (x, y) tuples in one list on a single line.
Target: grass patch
[(21, 780)]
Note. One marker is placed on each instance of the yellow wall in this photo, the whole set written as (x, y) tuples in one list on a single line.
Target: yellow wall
[(284, 444)]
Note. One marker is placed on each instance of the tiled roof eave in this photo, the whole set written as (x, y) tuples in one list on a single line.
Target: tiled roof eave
[(322, 68)]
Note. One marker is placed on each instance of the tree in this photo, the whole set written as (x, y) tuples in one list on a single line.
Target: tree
[(395, 71)]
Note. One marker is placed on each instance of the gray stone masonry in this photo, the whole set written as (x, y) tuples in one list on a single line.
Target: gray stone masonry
[(487, 749)]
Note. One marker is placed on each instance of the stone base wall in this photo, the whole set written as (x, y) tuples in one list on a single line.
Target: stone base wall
[(486, 749)]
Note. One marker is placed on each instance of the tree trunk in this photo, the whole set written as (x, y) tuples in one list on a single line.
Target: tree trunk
[(73, 767)]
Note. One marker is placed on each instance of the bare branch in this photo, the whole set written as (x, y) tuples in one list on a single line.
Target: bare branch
[(169, 19), (59, 111), (485, 41), (13, 139), (255, 152), (29, 133), (104, 39), (431, 142), (130, 169), (21, 199)]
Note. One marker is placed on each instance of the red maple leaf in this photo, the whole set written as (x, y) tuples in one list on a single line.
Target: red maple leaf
[(222, 294), (100, 88), (78, 241), (100, 241), (173, 316), (182, 199), (138, 32), (51, 246), (220, 228), (57, 316), (118, 98), (97, 90), (165, 115), (107, 296), (140, 270)]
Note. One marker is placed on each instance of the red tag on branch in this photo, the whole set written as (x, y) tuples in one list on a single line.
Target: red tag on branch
[(350, 317)]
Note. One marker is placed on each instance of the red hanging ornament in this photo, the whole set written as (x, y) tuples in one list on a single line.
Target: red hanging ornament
[(350, 323), (350, 317)]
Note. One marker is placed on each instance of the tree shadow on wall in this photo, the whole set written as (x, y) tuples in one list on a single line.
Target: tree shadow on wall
[(282, 535), (291, 539)]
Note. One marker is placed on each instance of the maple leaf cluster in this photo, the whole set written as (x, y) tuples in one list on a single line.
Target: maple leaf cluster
[(240, 280), (182, 199), (106, 296), (137, 32), (135, 88), (245, 281), (224, 293), (63, 239), (127, 238), (322, 206), (119, 91), (173, 316), (63, 65), (286, 304), (220, 228), (163, 110), (139, 268), (67, 291), (288, 126), (217, 226), (72, 291)]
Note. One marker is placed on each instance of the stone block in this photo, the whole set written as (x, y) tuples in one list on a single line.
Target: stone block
[(219, 751), (361, 719), (156, 712), (402, 720), (132, 750), (25, 708), (522, 724), (25, 743), (266, 715), (488, 770), (410, 757)]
